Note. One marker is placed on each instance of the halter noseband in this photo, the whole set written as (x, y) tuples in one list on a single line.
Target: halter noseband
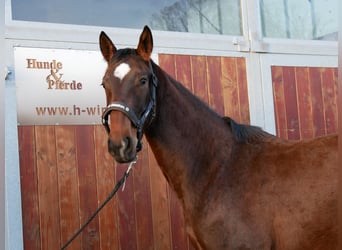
[(150, 109)]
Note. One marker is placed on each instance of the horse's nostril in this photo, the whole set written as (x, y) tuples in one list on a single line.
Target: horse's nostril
[(120, 148), (111, 145), (128, 142)]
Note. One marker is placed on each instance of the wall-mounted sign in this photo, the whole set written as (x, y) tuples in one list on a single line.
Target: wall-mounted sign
[(57, 86)]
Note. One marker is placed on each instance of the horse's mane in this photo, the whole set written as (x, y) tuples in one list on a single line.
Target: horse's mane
[(243, 133), (246, 133)]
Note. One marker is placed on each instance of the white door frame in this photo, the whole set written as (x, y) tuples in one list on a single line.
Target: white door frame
[(266, 88), (3, 220)]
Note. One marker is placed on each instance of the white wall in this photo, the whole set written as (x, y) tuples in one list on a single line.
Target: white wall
[(11, 183), (2, 129)]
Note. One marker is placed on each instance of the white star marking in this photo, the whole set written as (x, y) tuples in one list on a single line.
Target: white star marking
[(122, 70)]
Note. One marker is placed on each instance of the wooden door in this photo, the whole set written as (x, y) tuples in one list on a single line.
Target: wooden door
[(305, 101), (66, 173)]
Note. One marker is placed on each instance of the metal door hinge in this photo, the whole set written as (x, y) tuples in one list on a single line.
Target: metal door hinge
[(7, 72)]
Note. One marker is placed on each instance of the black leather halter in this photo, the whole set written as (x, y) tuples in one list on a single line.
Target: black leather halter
[(139, 123)]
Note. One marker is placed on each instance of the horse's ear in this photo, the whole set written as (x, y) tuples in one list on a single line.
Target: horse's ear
[(145, 45), (107, 47)]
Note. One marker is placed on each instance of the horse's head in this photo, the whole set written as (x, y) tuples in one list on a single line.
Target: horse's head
[(130, 86)]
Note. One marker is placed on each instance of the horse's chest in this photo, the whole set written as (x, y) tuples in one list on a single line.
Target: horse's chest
[(221, 226), (218, 236)]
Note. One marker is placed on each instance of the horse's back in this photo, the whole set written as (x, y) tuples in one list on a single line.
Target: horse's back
[(305, 185), (275, 194)]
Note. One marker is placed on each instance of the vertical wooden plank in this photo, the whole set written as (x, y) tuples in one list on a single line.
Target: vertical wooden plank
[(126, 212), (279, 101), (167, 63), (317, 101), (183, 70), (214, 82), (179, 236), (329, 100), (230, 88), (243, 90), (160, 206), (336, 77), (87, 185), (142, 197), (191, 246), (105, 175), (290, 93), (67, 184), (304, 103), (29, 187), (199, 77), (47, 187)]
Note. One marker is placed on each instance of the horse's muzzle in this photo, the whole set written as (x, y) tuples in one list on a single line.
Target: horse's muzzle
[(124, 151)]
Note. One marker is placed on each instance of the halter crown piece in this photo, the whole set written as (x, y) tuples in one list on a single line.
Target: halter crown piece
[(139, 123)]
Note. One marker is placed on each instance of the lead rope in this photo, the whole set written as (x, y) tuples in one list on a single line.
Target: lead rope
[(110, 196)]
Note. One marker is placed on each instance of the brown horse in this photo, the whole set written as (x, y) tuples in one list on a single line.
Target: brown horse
[(240, 187)]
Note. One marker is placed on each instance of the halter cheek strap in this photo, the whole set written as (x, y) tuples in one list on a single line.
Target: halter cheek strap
[(150, 110), (119, 106)]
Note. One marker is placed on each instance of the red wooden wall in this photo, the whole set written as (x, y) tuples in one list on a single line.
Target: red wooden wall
[(66, 173), (305, 101)]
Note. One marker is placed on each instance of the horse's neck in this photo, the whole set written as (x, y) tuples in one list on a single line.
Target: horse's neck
[(185, 136)]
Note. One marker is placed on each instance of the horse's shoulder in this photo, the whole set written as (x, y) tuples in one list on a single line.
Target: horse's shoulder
[(246, 133)]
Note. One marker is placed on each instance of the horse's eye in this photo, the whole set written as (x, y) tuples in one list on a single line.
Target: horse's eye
[(102, 84), (143, 80)]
